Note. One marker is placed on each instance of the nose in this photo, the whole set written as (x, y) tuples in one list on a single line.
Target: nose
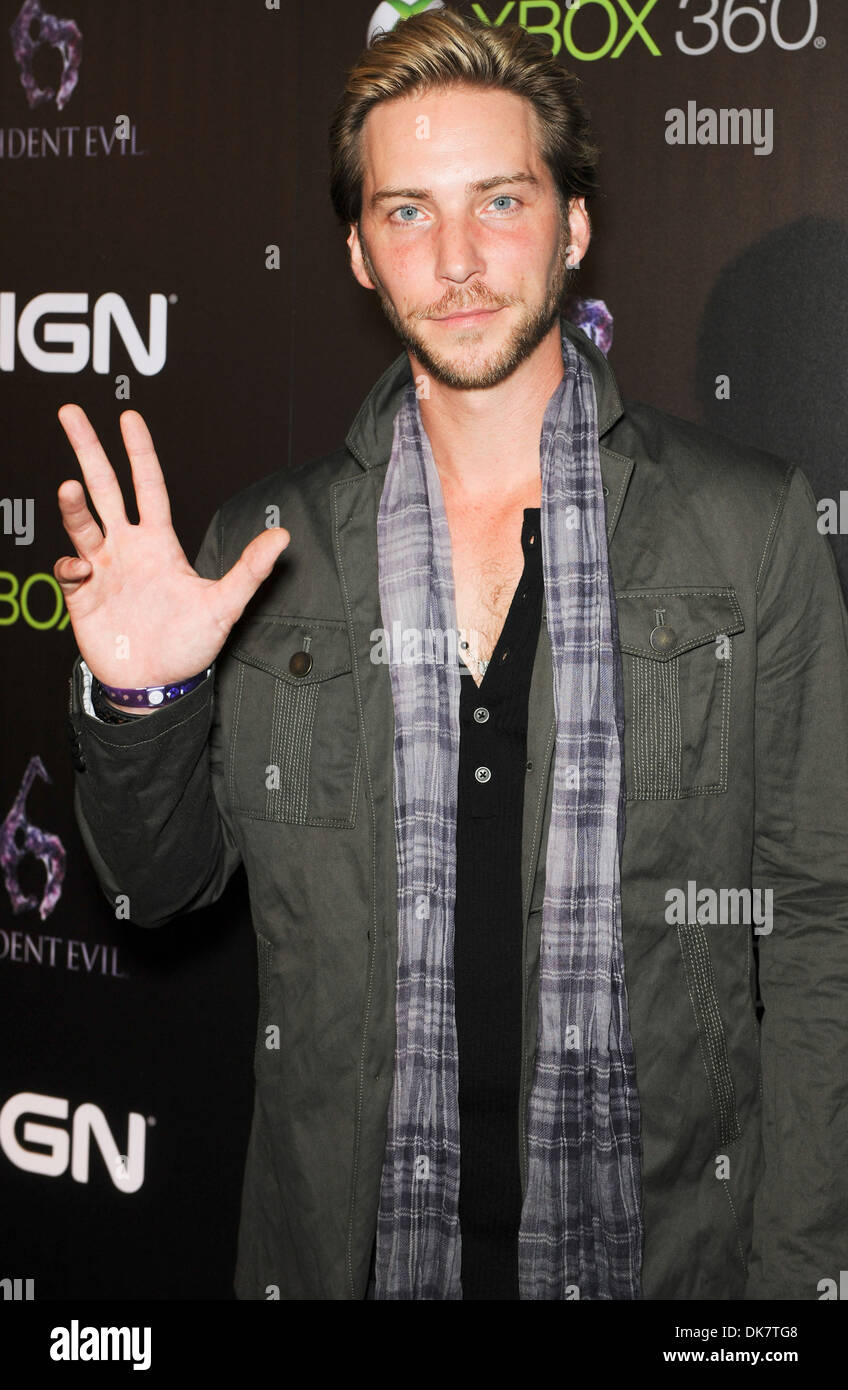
[(458, 253)]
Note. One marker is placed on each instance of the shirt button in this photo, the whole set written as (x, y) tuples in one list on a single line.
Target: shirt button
[(481, 714), (663, 639), (301, 664), (483, 774)]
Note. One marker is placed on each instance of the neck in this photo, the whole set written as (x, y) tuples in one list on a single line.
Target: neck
[(486, 443)]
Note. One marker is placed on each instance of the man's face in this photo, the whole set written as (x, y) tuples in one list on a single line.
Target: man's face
[(462, 234)]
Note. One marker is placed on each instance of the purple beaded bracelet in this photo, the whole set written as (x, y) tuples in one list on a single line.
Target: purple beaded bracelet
[(152, 696)]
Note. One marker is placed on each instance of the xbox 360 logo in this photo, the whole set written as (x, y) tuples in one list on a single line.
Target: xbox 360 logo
[(567, 25), (391, 12), (560, 21)]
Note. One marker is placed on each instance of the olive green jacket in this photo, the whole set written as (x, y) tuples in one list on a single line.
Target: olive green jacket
[(734, 640)]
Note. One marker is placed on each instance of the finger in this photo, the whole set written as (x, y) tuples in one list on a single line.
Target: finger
[(70, 572), (99, 475), (77, 520), (239, 584), (151, 495)]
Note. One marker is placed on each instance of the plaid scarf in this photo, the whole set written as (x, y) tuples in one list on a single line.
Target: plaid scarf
[(580, 1234)]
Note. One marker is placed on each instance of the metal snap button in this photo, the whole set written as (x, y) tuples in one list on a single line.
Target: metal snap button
[(663, 639), (301, 664)]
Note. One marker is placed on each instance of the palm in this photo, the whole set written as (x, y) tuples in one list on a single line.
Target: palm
[(140, 613)]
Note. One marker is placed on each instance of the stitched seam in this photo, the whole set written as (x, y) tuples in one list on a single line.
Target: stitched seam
[(324, 822), (296, 682), (718, 1049), (634, 649), (718, 1086), (708, 1018), (777, 511), (725, 714), (274, 801), (726, 1185), (682, 944), (638, 773), (623, 485), (373, 814), (354, 796), (643, 779), (708, 789), (707, 1021), (651, 780), (540, 802), (531, 874), (728, 592), (292, 620), (231, 761), (656, 730), (662, 659), (220, 545), (292, 727), (293, 718), (263, 947), (309, 713), (755, 1026)]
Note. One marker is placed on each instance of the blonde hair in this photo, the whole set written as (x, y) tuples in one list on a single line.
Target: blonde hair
[(440, 49)]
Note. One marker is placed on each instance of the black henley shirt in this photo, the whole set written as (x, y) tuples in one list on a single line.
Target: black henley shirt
[(488, 937)]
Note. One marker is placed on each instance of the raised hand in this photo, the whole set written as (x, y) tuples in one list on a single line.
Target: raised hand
[(140, 613)]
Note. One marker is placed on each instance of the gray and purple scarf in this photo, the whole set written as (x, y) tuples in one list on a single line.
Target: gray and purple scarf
[(581, 1233)]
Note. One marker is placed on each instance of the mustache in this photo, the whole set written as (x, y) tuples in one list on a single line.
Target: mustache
[(477, 296)]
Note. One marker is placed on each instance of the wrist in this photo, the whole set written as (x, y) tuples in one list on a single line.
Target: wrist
[(145, 699), (113, 704), (120, 706)]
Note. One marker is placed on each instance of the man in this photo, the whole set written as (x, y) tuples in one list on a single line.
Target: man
[(414, 714)]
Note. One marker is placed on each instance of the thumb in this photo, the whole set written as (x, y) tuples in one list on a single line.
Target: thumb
[(235, 589)]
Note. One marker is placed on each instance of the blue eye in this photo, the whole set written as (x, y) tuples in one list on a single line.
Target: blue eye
[(503, 198), (407, 209)]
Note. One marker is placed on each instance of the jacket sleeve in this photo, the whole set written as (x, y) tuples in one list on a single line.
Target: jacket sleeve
[(149, 795), (800, 1234)]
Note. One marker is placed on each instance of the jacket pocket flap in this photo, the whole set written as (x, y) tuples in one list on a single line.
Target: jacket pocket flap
[(662, 623), (299, 651)]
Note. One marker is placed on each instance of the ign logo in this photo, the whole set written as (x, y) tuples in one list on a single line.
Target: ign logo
[(58, 1149), (80, 342)]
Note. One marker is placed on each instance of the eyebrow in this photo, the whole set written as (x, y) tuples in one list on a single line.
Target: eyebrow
[(477, 186)]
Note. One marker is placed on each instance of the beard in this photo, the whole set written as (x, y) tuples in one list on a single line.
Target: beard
[(530, 330)]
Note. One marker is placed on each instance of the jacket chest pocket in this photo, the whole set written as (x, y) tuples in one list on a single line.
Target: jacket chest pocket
[(677, 659), (294, 751)]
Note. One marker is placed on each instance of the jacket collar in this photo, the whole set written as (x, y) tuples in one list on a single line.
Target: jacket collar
[(370, 436)]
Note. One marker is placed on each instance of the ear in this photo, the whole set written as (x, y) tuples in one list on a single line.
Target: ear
[(580, 229), (357, 263)]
